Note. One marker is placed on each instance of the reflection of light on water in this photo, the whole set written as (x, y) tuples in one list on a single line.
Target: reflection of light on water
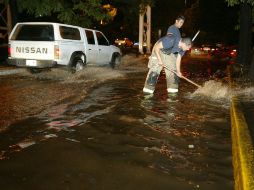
[(63, 124), (17, 147), (55, 119), (61, 121), (57, 111)]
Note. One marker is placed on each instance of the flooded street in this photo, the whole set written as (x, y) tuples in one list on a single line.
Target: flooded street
[(85, 134)]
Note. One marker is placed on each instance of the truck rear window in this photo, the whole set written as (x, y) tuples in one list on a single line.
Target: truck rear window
[(34, 33), (69, 33)]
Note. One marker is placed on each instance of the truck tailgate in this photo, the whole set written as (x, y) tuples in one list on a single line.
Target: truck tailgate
[(38, 50)]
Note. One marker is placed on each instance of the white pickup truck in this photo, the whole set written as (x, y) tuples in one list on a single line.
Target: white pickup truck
[(37, 45)]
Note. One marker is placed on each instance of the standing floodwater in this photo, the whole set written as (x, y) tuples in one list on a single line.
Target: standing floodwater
[(119, 138)]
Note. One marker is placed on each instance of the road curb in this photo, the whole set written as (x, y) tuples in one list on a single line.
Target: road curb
[(242, 148)]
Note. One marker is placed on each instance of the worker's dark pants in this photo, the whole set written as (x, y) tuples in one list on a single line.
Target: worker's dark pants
[(155, 70)]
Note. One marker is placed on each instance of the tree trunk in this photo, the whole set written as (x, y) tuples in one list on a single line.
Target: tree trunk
[(14, 12), (245, 35), (251, 73)]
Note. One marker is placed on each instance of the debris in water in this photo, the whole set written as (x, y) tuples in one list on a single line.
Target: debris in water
[(50, 136), (73, 140), (26, 144)]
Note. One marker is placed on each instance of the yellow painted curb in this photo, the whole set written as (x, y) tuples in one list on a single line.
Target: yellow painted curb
[(242, 149)]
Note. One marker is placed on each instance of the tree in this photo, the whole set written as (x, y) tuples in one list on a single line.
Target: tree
[(164, 14), (125, 23), (191, 25), (77, 12), (217, 22), (86, 13), (245, 35)]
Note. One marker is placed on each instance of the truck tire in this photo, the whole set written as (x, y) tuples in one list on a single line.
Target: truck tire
[(115, 60), (77, 65)]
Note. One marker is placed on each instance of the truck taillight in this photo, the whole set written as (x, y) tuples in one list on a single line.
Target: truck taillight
[(9, 50), (56, 52)]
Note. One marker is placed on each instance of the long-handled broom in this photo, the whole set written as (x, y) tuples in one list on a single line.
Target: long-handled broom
[(183, 77)]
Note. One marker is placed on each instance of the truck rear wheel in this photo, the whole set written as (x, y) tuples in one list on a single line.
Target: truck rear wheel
[(77, 65), (116, 60)]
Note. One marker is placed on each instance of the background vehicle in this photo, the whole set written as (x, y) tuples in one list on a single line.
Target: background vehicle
[(37, 45), (126, 42), (224, 53)]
